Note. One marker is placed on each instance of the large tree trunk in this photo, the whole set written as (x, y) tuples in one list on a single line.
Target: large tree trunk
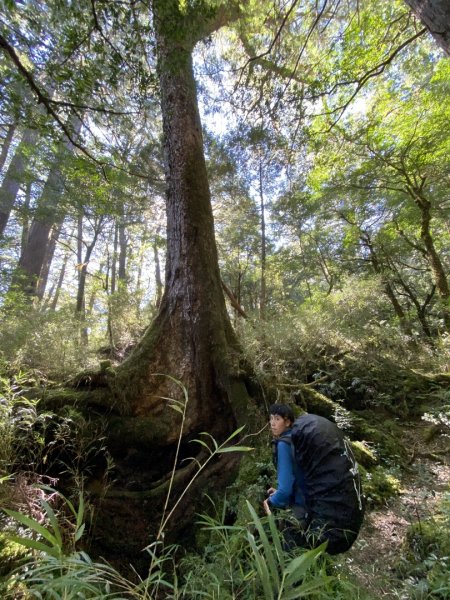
[(46, 223), (158, 280), (435, 15), (191, 338)]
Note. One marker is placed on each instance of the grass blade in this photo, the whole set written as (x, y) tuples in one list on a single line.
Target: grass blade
[(33, 525)]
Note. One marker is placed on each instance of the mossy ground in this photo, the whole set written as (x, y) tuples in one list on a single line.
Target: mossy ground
[(402, 550)]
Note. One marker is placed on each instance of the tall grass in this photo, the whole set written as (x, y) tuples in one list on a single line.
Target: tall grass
[(257, 565)]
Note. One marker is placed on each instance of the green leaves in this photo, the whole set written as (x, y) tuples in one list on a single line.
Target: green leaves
[(53, 543), (215, 448), (280, 575)]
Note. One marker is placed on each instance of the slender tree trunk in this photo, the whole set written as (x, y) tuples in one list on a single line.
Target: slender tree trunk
[(48, 258), (123, 250), (437, 268), (329, 278), (83, 266), (262, 304), (420, 308), (14, 176), (80, 307), (10, 130), (158, 280), (114, 257), (46, 224), (110, 287), (139, 273), (59, 284), (93, 296), (435, 15), (388, 289)]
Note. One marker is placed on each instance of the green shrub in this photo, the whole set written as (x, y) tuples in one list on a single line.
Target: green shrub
[(425, 564), (345, 345), (10, 554), (379, 485), (364, 455)]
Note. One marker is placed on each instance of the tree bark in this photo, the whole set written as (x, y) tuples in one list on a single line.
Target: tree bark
[(262, 302), (25, 217), (46, 224), (158, 280), (54, 301), (10, 129), (123, 250), (437, 268), (38, 248), (80, 308), (191, 338), (435, 15), (14, 176), (114, 258), (48, 259)]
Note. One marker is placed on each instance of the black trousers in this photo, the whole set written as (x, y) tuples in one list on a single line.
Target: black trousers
[(313, 533)]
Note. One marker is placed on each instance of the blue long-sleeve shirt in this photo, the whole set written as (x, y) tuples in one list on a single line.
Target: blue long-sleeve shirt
[(290, 486)]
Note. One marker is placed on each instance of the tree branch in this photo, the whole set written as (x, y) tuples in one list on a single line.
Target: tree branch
[(99, 109), (234, 303), (374, 72), (259, 57), (42, 99)]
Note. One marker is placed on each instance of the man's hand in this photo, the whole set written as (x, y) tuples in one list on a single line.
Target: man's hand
[(270, 492)]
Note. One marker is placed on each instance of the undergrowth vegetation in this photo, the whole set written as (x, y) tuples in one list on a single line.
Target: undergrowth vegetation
[(367, 375), (58, 343), (344, 348), (245, 561), (425, 564)]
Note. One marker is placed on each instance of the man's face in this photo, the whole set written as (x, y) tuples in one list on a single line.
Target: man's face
[(278, 424)]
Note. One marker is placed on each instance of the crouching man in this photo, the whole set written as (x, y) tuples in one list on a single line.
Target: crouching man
[(317, 478)]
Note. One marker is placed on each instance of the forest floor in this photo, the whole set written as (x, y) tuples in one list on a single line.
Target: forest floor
[(376, 556)]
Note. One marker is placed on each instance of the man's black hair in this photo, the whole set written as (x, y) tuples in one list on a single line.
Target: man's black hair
[(282, 410)]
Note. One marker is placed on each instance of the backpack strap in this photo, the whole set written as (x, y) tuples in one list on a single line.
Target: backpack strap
[(354, 470)]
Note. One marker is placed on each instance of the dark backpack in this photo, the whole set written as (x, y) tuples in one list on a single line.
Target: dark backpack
[(331, 482)]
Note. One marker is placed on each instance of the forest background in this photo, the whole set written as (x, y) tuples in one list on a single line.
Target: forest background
[(286, 165)]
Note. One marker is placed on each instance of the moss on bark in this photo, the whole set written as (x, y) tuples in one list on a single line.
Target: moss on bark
[(314, 402)]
